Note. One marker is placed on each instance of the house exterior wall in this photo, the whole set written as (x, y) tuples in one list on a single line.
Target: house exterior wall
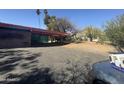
[(14, 38), (36, 38)]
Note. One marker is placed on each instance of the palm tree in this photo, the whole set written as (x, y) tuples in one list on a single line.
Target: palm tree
[(38, 14)]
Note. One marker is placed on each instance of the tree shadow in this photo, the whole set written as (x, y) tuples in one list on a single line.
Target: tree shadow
[(9, 64), (14, 58), (33, 56), (33, 61), (7, 68), (5, 53), (30, 64), (49, 44), (36, 76), (72, 73)]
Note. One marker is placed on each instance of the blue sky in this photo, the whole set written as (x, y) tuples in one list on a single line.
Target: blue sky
[(80, 17)]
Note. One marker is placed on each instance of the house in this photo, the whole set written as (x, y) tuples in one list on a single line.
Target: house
[(13, 36)]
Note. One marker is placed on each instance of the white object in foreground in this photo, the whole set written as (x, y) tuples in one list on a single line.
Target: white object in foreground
[(117, 59)]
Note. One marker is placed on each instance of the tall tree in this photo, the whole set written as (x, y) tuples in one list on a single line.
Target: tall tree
[(38, 14), (64, 25), (57, 24), (47, 19), (38, 11), (53, 24), (92, 32), (115, 31)]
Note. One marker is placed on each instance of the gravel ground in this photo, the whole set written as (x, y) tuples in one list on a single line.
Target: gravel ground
[(17, 63)]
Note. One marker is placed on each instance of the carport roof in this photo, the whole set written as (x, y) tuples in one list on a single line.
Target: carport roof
[(34, 30)]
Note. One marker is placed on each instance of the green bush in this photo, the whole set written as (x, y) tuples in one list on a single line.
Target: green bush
[(115, 31)]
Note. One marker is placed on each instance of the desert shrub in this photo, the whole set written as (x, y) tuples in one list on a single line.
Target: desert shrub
[(115, 31), (103, 38)]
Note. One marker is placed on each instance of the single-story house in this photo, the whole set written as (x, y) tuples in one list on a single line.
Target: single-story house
[(13, 36)]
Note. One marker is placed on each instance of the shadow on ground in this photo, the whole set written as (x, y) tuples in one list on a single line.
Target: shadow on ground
[(36, 76), (10, 59), (49, 44), (73, 73)]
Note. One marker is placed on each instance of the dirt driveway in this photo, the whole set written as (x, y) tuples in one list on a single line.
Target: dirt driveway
[(19, 63)]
